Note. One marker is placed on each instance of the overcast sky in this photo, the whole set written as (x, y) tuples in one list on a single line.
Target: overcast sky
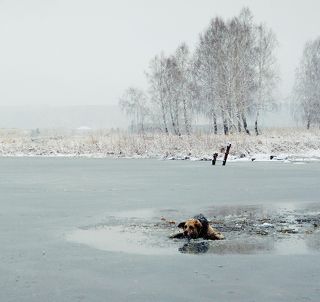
[(72, 52)]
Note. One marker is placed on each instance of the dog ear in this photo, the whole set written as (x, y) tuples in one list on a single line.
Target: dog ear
[(198, 224), (181, 224)]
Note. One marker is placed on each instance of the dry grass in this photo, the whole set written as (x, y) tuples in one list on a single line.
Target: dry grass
[(107, 143)]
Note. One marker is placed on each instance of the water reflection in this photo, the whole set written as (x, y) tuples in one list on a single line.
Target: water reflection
[(132, 240), (227, 247), (313, 241), (194, 248)]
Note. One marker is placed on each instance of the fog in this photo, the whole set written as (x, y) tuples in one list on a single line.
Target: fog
[(63, 117), (102, 116), (79, 53)]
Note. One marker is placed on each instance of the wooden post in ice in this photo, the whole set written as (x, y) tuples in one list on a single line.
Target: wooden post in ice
[(215, 155), (226, 155)]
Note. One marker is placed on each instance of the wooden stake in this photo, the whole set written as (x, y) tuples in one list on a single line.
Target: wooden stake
[(226, 155), (215, 155)]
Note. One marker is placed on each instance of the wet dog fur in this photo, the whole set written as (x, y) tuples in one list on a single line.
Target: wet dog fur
[(198, 227)]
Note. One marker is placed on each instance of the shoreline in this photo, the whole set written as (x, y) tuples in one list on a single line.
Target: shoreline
[(273, 145), (231, 158)]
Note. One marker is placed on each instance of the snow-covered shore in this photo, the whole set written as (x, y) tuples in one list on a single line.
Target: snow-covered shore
[(291, 144)]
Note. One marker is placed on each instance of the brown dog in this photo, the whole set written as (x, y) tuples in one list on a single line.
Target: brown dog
[(198, 227)]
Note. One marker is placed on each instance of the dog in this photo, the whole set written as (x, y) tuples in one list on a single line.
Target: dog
[(198, 227)]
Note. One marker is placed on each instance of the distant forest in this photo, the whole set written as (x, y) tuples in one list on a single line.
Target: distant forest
[(229, 79)]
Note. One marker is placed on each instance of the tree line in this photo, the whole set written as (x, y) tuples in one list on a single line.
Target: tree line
[(229, 78)]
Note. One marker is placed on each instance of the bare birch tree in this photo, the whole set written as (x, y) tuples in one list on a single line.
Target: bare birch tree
[(172, 93), (225, 69), (185, 86), (170, 88), (157, 89), (307, 85), (266, 70), (134, 104), (210, 70), (243, 65)]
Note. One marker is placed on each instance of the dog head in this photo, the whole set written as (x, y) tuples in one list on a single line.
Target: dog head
[(191, 228)]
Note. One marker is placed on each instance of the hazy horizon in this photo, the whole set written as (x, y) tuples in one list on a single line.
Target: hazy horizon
[(80, 53), (62, 116), (100, 117)]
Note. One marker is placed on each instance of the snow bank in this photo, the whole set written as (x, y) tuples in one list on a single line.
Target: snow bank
[(280, 144)]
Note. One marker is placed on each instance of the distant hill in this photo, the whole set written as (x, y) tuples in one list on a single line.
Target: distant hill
[(68, 117)]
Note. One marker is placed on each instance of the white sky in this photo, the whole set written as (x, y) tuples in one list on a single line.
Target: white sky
[(72, 52)]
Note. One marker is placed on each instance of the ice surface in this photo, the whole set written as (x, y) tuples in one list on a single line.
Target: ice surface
[(43, 201)]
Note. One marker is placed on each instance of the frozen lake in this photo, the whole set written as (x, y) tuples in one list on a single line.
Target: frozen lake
[(96, 230)]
